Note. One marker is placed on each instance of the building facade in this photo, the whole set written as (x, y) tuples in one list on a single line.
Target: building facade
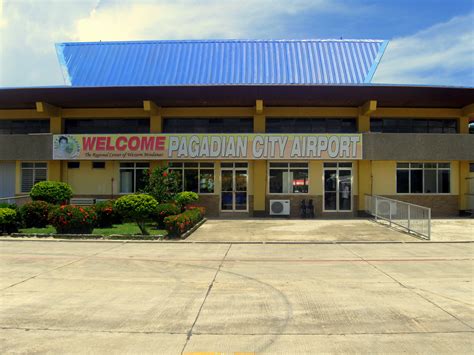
[(242, 143)]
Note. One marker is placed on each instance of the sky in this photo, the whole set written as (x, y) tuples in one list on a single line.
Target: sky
[(431, 41)]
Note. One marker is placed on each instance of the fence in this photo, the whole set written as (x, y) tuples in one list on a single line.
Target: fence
[(15, 200), (415, 219)]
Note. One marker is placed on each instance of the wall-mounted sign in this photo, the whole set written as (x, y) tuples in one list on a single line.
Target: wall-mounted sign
[(207, 146)]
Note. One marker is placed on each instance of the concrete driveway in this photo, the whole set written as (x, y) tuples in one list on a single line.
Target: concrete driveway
[(172, 298), (269, 229)]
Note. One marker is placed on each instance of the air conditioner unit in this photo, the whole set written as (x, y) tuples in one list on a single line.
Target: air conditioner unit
[(385, 208), (279, 207)]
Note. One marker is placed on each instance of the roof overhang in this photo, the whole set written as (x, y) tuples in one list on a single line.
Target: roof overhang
[(241, 95)]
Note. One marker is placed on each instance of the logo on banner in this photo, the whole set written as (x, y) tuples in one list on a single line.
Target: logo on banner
[(66, 147)]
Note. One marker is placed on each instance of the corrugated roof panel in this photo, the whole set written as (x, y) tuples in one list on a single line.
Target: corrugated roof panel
[(220, 62)]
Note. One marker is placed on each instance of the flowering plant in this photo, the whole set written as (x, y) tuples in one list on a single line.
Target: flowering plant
[(70, 219), (179, 224), (107, 215), (35, 214), (165, 210)]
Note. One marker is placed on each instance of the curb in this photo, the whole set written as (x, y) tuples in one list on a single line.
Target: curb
[(178, 241)]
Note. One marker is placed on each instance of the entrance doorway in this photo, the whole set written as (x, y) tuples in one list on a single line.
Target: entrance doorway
[(234, 181), (337, 187)]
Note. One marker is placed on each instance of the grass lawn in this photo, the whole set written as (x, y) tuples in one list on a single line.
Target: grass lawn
[(125, 228)]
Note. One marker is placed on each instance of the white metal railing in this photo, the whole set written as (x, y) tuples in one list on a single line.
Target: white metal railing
[(414, 218), (15, 200)]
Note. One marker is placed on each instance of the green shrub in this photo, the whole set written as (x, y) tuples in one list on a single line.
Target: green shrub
[(162, 184), (165, 210), (139, 208), (8, 220), (107, 215), (70, 219), (185, 198), (179, 224), (35, 214), (54, 192), (16, 208)]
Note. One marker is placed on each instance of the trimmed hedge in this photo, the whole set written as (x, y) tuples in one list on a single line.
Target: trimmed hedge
[(179, 224), (70, 219), (53, 192), (35, 214), (139, 208), (185, 198), (165, 210), (8, 220)]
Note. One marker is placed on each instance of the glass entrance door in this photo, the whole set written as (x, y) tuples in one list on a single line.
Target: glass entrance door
[(337, 187), (234, 179)]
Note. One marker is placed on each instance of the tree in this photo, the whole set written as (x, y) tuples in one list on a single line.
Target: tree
[(162, 184)]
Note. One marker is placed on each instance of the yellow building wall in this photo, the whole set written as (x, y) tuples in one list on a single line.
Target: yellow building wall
[(364, 181), (259, 184), (384, 177), (384, 181), (315, 177), (463, 185), (88, 181)]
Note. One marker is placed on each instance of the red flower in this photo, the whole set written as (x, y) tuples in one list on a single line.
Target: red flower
[(165, 174)]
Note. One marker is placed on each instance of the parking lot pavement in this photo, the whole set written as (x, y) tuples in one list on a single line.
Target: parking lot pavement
[(359, 229), (267, 229), (170, 298)]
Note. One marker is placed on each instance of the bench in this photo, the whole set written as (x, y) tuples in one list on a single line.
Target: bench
[(82, 201)]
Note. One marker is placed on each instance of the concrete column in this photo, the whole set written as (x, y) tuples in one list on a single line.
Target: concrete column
[(156, 124), (364, 181), (463, 185), (259, 123), (259, 187), (463, 124), (56, 125), (363, 124)]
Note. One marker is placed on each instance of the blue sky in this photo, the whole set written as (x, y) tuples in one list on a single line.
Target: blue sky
[(431, 41)]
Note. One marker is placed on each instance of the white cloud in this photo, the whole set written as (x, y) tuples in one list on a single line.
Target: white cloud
[(186, 19), (29, 28), (442, 54)]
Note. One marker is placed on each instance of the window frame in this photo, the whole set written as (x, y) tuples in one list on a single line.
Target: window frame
[(34, 168), (134, 168), (341, 122), (198, 168), (423, 169), (288, 168), (208, 125), (428, 122)]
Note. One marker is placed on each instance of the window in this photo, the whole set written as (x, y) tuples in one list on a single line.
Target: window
[(132, 177), (98, 165), (31, 173), (415, 125), (24, 126), (73, 165), (288, 178), (427, 178), (311, 125), (107, 125), (208, 125), (196, 177), (471, 167)]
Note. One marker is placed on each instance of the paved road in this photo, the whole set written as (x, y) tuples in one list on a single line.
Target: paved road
[(76, 297)]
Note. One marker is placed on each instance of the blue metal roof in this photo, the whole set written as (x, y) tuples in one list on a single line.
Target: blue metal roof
[(220, 62)]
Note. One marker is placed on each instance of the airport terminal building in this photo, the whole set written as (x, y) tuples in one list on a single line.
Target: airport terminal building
[(244, 123)]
